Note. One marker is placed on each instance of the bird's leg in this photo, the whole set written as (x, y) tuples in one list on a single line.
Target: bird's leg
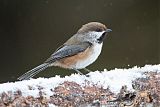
[(87, 70), (78, 71)]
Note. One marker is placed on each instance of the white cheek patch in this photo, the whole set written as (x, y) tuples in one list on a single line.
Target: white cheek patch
[(96, 35)]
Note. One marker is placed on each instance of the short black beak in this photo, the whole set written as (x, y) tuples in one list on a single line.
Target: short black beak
[(108, 30), (100, 40)]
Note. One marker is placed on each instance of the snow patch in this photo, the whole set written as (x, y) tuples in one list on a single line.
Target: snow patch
[(114, 79)]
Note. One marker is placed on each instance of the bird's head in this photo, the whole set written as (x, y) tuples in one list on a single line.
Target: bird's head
[(93, 32)]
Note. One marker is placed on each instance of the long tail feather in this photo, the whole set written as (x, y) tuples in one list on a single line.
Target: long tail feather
[(33, 71)]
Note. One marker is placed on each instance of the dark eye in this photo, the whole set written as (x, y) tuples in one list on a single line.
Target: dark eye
[(99, 30)]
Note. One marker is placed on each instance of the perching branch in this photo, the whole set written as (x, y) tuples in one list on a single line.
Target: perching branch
[(119, 87)]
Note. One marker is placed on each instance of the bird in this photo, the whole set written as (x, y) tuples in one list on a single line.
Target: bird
[(78, 52)]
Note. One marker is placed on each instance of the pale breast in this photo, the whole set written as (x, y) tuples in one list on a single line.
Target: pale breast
[(82, 59), (93, 55)]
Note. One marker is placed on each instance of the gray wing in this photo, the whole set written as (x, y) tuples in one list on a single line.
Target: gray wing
[(68, 50)]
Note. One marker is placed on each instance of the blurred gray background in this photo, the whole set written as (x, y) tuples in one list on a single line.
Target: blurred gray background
[(31, 30)]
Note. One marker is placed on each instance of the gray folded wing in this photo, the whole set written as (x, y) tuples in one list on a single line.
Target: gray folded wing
[(68, 50)]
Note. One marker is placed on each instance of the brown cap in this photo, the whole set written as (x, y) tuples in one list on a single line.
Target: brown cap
[(92, 26)]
